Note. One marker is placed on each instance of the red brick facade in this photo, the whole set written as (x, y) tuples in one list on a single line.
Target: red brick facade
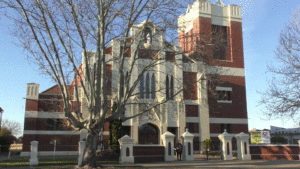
[(236, 107), (190, 86), (191, 111)]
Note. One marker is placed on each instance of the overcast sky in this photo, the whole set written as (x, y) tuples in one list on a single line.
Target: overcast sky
[(262, 22)]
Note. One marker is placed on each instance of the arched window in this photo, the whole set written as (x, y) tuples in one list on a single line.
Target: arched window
[(142, 86), (50, 124), (148, 36), (171, 88), (153, 87), (147, 86), (28, 90), (245, 147), (167, 87), (122, 86), (31, 91)]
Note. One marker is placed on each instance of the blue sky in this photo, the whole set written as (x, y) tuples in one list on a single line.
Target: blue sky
[(262, 22)]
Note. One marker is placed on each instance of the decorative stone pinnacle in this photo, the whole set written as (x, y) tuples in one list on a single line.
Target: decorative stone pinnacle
[(187, 130), (225, 130)]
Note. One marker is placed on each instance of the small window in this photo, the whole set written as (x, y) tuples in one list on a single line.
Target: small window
[(224, 94)]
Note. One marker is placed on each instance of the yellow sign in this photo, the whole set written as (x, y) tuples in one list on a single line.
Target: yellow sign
[(256, 137)]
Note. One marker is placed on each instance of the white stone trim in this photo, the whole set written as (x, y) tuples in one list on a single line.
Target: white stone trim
[(51, 132), (39, 114), (191, 102), (224, 89), (192, 119), (225, 71), (228, 121), (224, 101), (217, 134), (50, 153)]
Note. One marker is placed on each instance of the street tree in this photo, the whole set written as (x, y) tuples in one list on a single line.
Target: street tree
[(57, 33), (282, 99)]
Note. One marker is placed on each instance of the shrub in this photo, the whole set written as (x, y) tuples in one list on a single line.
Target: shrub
[(6, 141), (278, 140), (107, 155)]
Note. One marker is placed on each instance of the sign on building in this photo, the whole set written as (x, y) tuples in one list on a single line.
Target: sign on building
[(260, 137)]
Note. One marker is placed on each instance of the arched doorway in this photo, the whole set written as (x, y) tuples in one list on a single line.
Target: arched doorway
[(148, 134)]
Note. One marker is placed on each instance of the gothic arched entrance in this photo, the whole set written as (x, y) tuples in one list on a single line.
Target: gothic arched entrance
[(148, 134)]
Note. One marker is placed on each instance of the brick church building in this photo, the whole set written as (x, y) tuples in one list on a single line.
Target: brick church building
[(195, 109)]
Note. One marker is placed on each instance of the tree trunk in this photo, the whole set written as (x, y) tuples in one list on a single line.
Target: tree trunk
[(89, 158)]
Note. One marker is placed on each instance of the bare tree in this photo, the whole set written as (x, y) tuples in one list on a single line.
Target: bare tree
[(57, 32), (282, 99), (13, 126)]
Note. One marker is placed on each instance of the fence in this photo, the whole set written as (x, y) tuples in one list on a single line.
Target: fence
[(148, 153), (275, 152), (51, 150)]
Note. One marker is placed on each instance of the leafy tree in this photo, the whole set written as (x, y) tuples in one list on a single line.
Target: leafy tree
[(13, 126), (207, 144), (4, 131), (282, 99), (6, 138)]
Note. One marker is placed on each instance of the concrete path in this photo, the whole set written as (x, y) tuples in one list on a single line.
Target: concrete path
[(198, 164)]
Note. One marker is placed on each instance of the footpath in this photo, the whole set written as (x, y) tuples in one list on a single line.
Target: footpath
[(199, 162)]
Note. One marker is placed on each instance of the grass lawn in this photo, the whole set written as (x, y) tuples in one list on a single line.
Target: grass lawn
[(47, 162)]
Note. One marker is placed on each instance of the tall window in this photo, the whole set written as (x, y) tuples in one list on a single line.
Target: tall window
[(153, 87), (147, 86), (219, 39), (167, 87), (122, 86), (142, 86), (172, 88)]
